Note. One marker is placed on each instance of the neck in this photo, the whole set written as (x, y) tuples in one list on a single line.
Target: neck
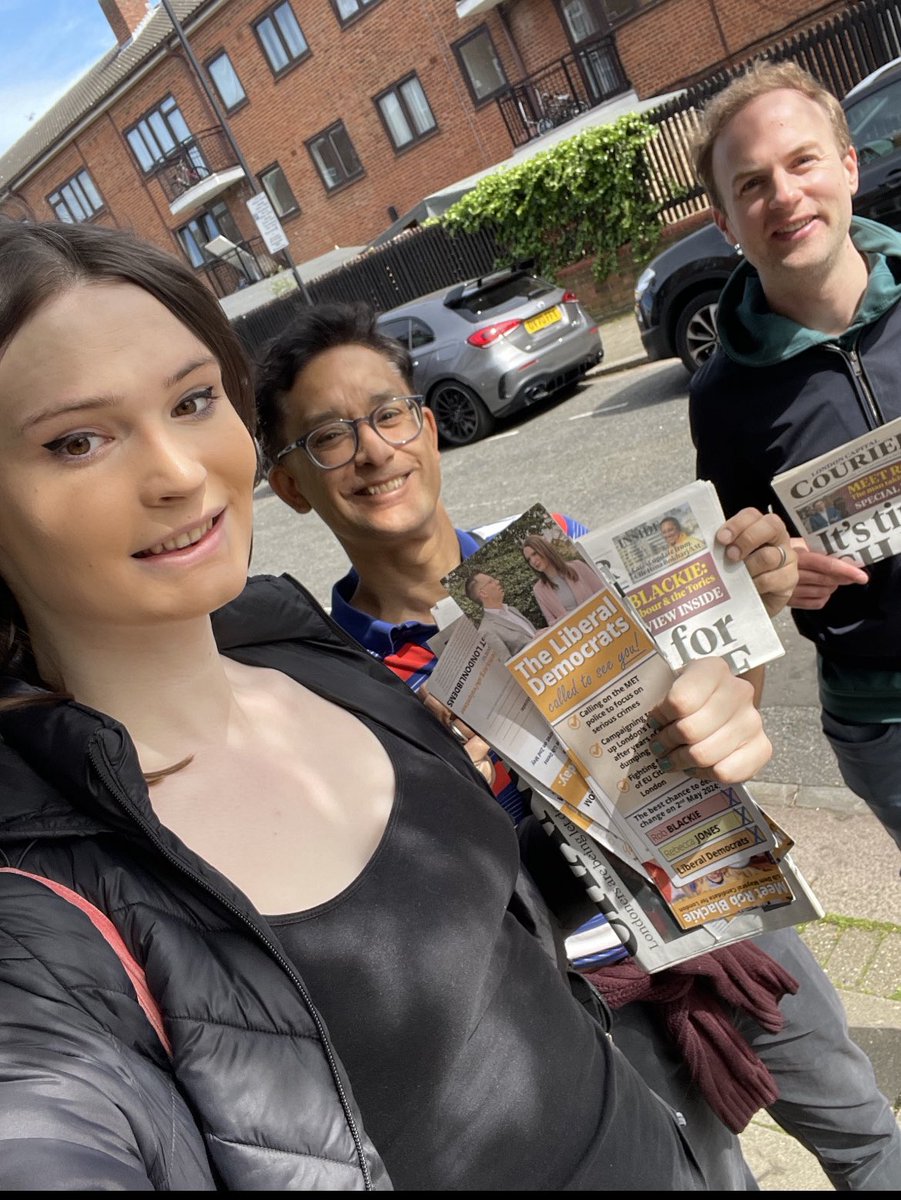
[(826, 301), (168, 685), (402, 582)]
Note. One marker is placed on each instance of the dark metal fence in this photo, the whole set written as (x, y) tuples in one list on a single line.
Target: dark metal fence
[(419, 261), (839, 52)]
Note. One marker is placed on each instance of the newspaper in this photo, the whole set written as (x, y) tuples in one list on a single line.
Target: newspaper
[(694, 601), (636, 912), (593, 675), (848, 502)]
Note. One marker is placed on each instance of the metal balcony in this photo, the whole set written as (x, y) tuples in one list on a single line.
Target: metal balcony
[(562, 90), (198, 170)]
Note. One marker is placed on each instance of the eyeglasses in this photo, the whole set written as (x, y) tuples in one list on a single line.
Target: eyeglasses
[(397, 421)]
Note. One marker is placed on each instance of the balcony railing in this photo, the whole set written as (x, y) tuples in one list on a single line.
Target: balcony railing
[(248, 263), (562, 90), (197, 165)]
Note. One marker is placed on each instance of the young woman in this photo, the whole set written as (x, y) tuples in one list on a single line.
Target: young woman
[(562, 585), (262, 924)]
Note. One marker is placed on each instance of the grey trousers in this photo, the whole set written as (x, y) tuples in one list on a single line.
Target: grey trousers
[(828, 1097)]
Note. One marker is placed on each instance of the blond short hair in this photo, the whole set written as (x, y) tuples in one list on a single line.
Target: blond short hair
[(759, 78)]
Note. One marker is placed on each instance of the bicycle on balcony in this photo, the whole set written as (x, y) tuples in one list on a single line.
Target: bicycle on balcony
[(558, 108)]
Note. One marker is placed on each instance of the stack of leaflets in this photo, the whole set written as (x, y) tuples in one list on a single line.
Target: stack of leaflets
[(848, 502), (678, 865)]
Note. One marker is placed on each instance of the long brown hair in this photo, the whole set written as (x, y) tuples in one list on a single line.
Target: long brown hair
[(40, 262), (536, 542)]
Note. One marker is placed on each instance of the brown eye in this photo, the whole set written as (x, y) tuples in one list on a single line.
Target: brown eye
[(77, 446), (195, 404)]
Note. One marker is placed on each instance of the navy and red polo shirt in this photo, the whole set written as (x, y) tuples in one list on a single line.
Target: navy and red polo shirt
[(404, 647)]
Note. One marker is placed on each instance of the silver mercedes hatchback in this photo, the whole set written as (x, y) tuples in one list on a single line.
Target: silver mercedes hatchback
[(485, 348)]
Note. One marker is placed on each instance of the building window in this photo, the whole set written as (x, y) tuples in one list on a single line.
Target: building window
[(159, 134), (617, 10), (225, 77), (584, 19), (333, 153), (281, 38), (277, 188), (480, 65), (200, 230), (405, 112), (348, 9), (77, 200)]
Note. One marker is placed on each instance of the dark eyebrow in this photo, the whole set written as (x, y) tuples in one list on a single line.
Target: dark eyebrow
[(59, 410), (188, 368)]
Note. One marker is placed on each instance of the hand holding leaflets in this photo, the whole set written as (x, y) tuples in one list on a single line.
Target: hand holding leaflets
[(576, 720)]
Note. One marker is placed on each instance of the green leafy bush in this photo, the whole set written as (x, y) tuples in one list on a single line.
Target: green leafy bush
[(587, 196)]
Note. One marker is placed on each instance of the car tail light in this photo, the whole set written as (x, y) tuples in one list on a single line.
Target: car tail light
[(490, 333), (568, 296)]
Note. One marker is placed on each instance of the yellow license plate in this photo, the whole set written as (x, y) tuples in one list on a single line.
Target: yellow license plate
[(550, 316)]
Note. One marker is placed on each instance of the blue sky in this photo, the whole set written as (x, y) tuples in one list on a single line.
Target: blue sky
[(45, 45)]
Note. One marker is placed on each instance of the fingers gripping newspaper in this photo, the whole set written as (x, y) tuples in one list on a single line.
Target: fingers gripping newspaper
[(848, 502), (678, 864)]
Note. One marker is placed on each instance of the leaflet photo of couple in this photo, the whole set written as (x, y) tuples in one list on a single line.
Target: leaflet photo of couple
[(529, 576)]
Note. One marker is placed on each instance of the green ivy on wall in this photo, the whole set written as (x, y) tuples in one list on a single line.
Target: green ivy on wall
[(587, 196)]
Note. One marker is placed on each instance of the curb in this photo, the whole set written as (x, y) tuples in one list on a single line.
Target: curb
[(620, 364)]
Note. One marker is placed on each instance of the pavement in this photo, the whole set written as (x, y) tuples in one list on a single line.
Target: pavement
[(843, 852)]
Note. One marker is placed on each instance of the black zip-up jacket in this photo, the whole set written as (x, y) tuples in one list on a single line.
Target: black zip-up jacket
[(749, 423), (254, 1097)]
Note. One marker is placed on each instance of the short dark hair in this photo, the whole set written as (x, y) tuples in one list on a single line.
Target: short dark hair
[(312, 332)]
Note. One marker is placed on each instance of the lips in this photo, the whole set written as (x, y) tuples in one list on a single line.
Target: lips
[(181, 540), (791, 228)]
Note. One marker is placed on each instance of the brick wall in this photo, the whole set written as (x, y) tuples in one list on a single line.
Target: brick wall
[(615, 294), (346, 68), (681, 41)]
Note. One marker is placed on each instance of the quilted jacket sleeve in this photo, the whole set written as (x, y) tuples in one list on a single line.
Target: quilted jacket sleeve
[(87, 1101)]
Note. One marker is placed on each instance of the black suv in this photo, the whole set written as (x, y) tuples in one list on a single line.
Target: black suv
[(677, 293)]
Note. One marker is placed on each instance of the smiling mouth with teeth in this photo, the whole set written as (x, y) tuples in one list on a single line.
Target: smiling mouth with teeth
[(380, 489), (181, 542)]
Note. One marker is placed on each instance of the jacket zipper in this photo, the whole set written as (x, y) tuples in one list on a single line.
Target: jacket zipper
[(865, 393), (111, 783)]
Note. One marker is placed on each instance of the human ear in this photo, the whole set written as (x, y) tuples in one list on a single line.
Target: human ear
[(850, 163), (721, 221), (285, 487), (430, 426)]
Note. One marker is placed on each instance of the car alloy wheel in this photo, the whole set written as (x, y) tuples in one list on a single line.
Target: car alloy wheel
[(460, 415), (696, 330)]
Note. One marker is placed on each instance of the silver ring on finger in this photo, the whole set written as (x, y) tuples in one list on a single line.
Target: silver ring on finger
[(784, 559)]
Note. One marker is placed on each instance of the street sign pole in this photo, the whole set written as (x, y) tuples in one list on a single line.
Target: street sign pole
[(242, 162)]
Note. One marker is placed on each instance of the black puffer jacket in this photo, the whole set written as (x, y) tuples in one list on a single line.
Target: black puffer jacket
[(254, 1098), (751, 422)]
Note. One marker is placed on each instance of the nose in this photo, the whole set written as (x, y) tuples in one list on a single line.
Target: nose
[(371, 448), (169, 467), (783, 189)]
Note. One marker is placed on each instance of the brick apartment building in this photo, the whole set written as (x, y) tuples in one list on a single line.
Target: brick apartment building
[(346, 112)]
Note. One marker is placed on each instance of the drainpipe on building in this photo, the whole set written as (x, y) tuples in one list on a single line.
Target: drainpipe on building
[(223, 121)]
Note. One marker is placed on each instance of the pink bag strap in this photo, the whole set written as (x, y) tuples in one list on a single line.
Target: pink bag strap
[(108, 932)]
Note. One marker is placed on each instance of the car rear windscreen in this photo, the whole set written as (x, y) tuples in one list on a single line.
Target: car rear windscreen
[(502, 295)]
